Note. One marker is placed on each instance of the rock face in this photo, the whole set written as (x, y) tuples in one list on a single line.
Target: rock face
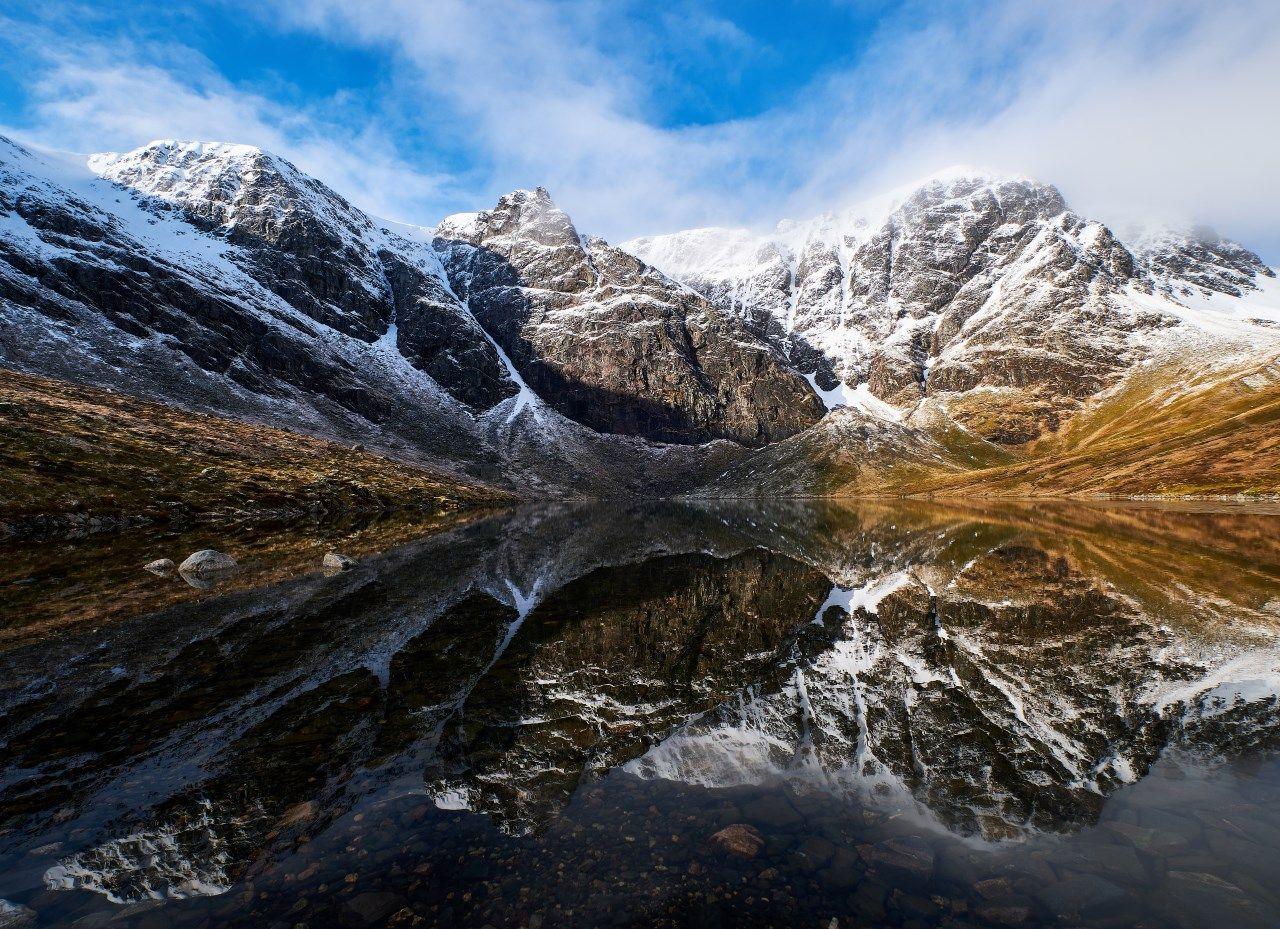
[(980, 290), (612, 343), (326, 259), (219, 277), (506, 345), (176, 295), (1198, 262)]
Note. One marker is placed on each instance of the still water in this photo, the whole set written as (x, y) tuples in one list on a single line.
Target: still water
[(667, 715)]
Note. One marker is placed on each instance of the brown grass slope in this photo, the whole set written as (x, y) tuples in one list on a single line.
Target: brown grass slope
[(1167, 431), (81, 458)]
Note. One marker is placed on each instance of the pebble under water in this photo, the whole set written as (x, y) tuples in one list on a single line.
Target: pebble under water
[(665, 715)]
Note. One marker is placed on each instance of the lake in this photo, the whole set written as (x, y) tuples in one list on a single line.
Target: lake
[(671, 714)]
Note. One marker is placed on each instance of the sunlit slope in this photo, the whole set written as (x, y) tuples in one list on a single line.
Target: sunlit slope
[(856, 453), (83, 458), (1172, 430)]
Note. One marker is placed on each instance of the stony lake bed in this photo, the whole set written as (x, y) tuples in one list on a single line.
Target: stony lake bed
[(811, 714)]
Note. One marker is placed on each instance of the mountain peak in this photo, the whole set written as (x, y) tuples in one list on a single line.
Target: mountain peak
[(527, 213), (176, 156)]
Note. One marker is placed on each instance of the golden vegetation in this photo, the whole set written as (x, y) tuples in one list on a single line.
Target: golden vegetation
[(82, 458), (1171, 430)]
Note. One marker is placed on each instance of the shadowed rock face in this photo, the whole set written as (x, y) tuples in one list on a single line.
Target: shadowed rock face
[(612, 343), (232, 284)]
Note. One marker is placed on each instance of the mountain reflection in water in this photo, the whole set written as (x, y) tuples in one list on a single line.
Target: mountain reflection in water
[(907, 714)]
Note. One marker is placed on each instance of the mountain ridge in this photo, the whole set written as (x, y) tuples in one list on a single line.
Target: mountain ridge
[(967, 320)]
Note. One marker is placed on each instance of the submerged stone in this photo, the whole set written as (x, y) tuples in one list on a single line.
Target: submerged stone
[(740, 840)]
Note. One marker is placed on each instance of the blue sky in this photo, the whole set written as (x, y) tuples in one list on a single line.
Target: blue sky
[(644, 117)]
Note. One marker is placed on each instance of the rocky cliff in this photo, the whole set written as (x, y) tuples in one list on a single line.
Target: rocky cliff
[(963, 323), (219, 277), (984, 292)]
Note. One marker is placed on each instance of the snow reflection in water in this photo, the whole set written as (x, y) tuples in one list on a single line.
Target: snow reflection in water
[(931, 716)]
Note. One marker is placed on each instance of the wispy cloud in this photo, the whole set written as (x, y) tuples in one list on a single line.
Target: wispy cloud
[(95, 97), (1134, 108)]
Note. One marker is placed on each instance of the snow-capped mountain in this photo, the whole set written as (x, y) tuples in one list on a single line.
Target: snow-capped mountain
[(221, 278), (952, 320), (978, 289)]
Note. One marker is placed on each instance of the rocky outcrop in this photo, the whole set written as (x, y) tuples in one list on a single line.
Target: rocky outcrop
[(1189, 262), (983, 291), (323, 257), (612, 343)]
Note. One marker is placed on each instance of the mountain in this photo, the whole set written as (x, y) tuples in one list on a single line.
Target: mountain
[(968, 323), (220, 278), (981, 291), (612, 343)]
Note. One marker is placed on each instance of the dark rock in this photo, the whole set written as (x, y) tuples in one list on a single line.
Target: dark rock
[(1004, 914), (1083, 895), (371, 907), (1197, 899), (1119, 862), (772, 810), (16, 916), (994, 888), (908, 854)]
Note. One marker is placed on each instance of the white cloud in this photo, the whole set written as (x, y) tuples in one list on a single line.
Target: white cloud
[(97, 98), (1133, 107), (1138, 111)]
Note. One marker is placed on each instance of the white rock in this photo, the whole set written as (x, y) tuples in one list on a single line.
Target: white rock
[(338, 561), (160, 566), (207, 559)]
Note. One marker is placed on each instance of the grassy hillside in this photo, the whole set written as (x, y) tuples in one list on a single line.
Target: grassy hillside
[(1167, 431), (1173, 430), (75, 457)]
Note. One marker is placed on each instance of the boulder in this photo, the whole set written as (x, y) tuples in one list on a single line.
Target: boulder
[(740, 840), (161, 566), (338, 562), (907, 854), (205, 561)]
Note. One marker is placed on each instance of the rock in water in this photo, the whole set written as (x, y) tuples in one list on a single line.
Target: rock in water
[(338, 562), (205, 561), (160, 566), (739, 839)]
